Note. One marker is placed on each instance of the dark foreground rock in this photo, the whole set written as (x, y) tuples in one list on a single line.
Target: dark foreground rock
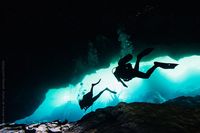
[(180, 115)]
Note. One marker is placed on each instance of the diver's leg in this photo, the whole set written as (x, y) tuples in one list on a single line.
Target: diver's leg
[(137, 63), (111, 91), (98, 95), (140, 55), (147, 74)]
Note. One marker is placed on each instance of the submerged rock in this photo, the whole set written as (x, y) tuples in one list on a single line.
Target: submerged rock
[(174, 116)]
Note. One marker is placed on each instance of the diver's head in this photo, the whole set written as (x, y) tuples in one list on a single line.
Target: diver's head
[(117, 73)]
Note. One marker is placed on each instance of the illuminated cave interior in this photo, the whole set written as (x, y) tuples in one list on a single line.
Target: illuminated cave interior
[(164, 84)]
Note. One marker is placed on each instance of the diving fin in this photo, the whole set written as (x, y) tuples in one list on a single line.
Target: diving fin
[(125, 59), (145, 52), (165, 65)]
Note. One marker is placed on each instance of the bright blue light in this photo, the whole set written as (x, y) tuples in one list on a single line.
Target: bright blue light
[(164, 84)]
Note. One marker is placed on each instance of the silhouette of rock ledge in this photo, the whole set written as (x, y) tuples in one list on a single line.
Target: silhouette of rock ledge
[(172, 116), (179, 115)]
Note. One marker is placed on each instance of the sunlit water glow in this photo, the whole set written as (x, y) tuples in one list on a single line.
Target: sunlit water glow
[(62, 103)]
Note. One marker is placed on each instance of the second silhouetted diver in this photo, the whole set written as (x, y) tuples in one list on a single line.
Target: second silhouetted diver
[(88, 98)]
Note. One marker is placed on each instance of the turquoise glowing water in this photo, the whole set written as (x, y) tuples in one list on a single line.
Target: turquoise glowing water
[(164, 84)]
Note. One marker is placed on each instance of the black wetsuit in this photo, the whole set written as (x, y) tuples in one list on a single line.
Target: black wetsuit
[(125, 71)]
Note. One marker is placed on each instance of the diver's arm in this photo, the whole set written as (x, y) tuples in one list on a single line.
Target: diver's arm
[(123, 83), (119, 79)]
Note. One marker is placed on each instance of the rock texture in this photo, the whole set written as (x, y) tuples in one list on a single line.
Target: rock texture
[(179, 115)]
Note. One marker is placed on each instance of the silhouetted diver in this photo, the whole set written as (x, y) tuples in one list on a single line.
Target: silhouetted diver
[(125, 71), (88, 98)]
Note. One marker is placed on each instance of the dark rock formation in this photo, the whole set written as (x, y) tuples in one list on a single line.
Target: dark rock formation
[(184, 101), (179, 115)]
